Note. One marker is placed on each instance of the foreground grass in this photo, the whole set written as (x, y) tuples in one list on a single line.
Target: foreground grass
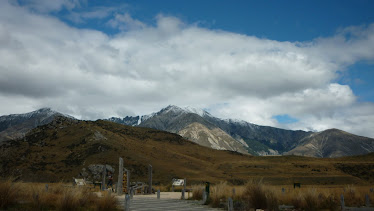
[(255, 195), (31, 196)]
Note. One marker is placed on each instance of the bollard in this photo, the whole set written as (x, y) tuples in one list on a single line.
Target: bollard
[(183, 194), (230, 205), (46, 187), (127, 202), (342, 201), (367, 200), (131, 193), (204, 197), (158, 194)]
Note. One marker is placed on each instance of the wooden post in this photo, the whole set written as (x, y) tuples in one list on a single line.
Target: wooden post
[(158, 194), (120, 177), (204, 196), (230, 205), (342, 201), (150, 179), (183, 197), (127, 202), (103, 178)]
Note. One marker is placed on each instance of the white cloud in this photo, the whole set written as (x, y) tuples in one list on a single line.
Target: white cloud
[(46, 6), (88, 74)]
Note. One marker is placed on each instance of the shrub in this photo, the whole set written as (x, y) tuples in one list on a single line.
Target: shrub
[(311, 200), (219, 193), (197, 192), (255, 196)]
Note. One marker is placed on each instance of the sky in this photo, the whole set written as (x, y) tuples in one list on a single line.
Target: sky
[(305, 65)]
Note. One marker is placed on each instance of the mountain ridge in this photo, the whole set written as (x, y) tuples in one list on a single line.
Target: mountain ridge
[(255, 139), (199, 126)]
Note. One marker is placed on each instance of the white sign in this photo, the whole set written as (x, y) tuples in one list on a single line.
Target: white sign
[(178, 182)]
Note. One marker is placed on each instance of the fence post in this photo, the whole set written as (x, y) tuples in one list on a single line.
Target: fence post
[(127, 202), (230, 205), (120, 177), (342, 201), (158, 194)]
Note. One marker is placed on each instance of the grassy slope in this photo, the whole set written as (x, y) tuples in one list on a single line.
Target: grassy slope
[(58, 151)]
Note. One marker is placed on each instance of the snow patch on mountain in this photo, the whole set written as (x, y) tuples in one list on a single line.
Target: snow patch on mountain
[(187, 109), (47, 112)]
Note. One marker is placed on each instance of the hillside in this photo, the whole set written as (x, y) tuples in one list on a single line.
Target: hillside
[(333, 143), (67, 148)]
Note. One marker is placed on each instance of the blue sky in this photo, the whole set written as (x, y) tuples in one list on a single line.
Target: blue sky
[(279, 20), (276, 20), (291, 64)]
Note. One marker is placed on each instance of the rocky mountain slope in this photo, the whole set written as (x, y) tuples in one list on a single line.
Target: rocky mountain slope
[(333, 143), (17, 125), (201, 127), (204, 129), (66, 148), (254, 139)]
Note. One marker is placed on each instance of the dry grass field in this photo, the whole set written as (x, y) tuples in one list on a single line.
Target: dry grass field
[(59, 196), (255, 194)]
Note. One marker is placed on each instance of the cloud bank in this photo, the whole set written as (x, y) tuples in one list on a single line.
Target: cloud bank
[(89, 74)]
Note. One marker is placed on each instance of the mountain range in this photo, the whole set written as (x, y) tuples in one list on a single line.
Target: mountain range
[(236, 135), (201, 127), (67, 148)]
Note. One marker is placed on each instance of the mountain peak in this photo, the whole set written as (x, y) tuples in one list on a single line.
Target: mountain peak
[(187, 109)]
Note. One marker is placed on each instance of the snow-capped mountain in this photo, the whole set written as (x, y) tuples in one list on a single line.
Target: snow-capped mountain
[(203, 128), (17, 125), (237, 135)]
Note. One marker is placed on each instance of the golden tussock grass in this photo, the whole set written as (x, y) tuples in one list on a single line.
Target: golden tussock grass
[(255, 194), (9, 194), (31, 196)]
